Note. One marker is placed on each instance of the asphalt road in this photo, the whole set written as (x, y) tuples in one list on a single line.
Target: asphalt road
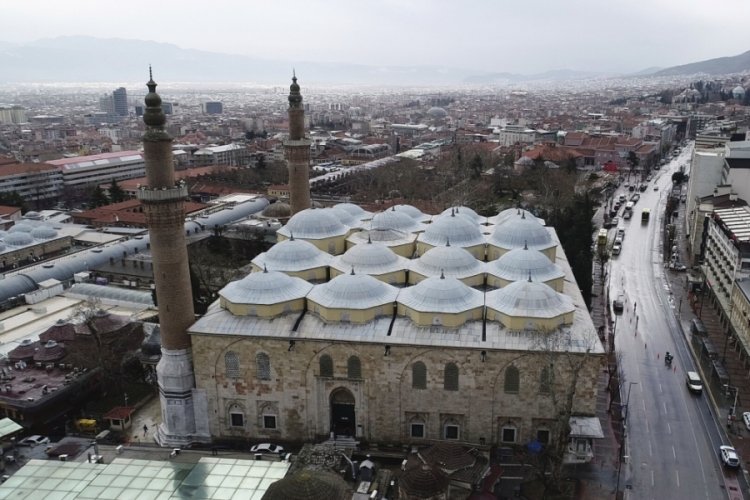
[(672, 435)]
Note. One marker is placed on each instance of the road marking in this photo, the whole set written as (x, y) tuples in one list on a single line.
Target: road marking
[(678, 477), (669, 428), (660, 389), (665, 407), (652, 478), (650, 449), (643, 402), (674, 454)]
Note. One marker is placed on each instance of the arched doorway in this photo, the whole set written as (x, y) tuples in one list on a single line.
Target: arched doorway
[(342, 412)]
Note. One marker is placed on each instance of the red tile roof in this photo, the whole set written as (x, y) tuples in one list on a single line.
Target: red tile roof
[(119, 412)]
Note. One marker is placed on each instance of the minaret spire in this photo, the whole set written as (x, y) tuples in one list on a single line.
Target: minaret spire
[(297, 149), (163, 204)]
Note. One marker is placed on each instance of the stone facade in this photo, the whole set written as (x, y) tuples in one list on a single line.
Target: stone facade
[(275, 378)]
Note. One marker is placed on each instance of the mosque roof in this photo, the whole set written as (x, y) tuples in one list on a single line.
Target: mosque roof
[(43, 232), (464, 211), (518, 232), (292, 255), (353, 291), (529, 299), (314, 224), (265, 288), (18, 239), (354, 210), (509, 213), (520, 263), (449, 260), (459, 231), (412, 212), (370, 258), (444, 294), (393, 219)]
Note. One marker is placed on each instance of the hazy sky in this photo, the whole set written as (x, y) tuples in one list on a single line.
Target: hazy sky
[(521, 36)]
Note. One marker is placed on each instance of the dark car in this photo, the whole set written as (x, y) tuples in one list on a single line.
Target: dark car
[(618, 306)]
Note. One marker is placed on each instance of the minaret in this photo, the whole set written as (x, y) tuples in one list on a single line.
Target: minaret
[(162, 202), (297, 149)]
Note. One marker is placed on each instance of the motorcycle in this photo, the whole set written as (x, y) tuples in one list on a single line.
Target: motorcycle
[(668, 359)]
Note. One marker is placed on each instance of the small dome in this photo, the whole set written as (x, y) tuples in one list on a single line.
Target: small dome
[(509, 213), (32, 215), (437, 112), (43, 232), (21, 227), (369, 258), (309, 485), (392, 219), (423, 481), (353, 291), (441, 295), (292, 255), (353, 209), (738, 90), (465, 211), (449, 260), (520, 263), (411, 211), (344, 216), (529, 299), (268, 287), (314, 223), (18, 239), (278, 210), (458, 231), (518, 232)]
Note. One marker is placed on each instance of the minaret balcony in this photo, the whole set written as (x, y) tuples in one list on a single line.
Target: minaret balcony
[(162, 194)]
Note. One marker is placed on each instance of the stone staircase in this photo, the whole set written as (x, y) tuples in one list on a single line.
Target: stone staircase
[(342, 442)]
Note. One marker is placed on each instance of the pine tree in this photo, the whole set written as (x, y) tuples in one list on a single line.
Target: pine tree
[(116, 194)]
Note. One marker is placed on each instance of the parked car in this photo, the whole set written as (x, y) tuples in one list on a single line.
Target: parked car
[(267, 448), (616, 249), (729, 456), (656, 188), (618, 305), (746, 419), (33, 440)]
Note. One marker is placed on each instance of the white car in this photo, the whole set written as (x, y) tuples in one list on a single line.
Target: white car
[(34, 440), (267, 448), (729, 456), (746, 419)]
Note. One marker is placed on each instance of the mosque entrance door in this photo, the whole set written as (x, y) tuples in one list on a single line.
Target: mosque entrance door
[(342, 412)]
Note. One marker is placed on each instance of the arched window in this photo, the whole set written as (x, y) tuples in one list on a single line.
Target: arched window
[(354, 367), (512, 379), (232, 364), (419, 375), (545, 380), (326, 366), (450, 377), (263, 363), (236, 416)]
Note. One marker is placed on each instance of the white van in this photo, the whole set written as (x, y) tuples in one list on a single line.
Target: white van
[(629, 206), (694, 383)]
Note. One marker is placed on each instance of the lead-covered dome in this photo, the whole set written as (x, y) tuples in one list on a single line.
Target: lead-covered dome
[(518, 232), (43, 232), (18, 239), (458, 231), (443, 294), (530, 305), (448, 260), (264, 294), (21, 227), (392, 219), (510, 213), (352, 298), (314, 223), (412, 212), (464, 212), (373, 258), (355, 210), (520, 263), (292, 255), (345, 216)]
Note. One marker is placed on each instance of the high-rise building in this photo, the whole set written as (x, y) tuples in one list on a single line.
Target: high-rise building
[(297, 151), (120, 101), (212, 108), (163, 200)]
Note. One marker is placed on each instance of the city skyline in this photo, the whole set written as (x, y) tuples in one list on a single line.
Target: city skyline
[(490, 36)]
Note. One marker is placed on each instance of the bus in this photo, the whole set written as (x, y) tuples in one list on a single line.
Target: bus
[(645, 215), (601, 239)]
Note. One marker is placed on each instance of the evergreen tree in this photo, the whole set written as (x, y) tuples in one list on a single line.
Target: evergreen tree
[(98, 198), (116, 194), (476, 166)]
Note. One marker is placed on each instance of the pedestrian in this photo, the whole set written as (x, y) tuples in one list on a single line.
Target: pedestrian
[(635, 304), (645, 345), (145, 430)]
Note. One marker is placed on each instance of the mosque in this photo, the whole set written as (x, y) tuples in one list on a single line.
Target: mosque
[(397, 327), (392, 327)]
